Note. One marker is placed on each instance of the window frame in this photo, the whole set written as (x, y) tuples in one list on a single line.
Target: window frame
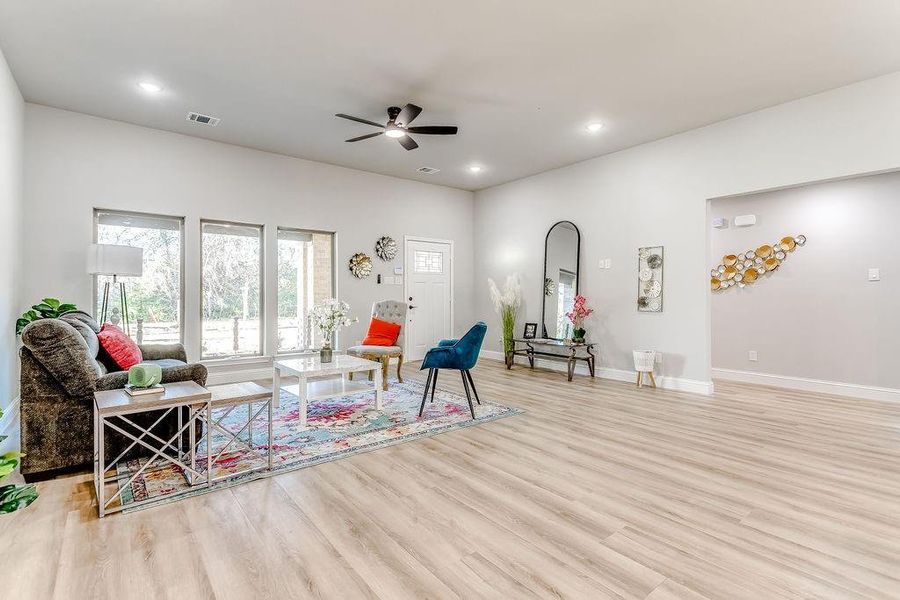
[(182, 321), (261, 353), (334, 257)]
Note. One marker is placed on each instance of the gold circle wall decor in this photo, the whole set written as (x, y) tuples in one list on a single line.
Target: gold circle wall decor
[(360, 265), (746, 268)]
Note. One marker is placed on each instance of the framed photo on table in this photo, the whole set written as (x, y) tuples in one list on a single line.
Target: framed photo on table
[(530, 331)]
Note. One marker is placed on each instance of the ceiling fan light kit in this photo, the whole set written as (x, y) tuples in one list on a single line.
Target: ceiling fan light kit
[(398, 127)]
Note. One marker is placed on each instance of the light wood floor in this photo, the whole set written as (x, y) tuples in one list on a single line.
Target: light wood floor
[(599, 491)]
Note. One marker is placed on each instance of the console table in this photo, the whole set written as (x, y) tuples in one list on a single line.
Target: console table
[(572, 352)]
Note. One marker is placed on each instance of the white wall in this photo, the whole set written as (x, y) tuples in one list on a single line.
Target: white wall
[(656, 194), (76, 162), (817, 316), (11, 127)]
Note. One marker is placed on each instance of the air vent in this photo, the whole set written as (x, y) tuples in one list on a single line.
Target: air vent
[(428, 170), (203, 119)]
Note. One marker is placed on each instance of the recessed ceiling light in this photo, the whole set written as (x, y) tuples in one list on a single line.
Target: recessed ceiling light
[(474, 169), (594, 127), (149, 86)]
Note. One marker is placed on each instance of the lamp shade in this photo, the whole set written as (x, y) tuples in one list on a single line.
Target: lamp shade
[(110, 259)]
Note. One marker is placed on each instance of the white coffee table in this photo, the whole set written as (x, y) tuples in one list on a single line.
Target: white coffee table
[(319, 381)]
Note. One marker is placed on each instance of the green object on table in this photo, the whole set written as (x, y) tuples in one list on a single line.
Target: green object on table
[(144, 375)]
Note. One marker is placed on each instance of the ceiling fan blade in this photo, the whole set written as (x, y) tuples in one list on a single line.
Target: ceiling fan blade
[(406, 116), (434, 129), (358, 120), (364, 137), (407, 142)]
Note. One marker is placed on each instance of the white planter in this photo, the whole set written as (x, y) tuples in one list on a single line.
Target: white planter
[(644, 360)]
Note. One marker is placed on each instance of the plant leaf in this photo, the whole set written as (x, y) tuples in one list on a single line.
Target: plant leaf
[(64, 308), (51, 302), (15, 497)]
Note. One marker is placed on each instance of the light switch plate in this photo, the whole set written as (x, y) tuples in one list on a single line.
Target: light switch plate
[(398, 270), (874, 274), (752, 356)]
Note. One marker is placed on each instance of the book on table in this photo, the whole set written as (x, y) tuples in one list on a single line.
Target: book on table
[(133, 390)]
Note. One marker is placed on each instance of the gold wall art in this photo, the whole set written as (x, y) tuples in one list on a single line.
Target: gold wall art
[(744, 269)]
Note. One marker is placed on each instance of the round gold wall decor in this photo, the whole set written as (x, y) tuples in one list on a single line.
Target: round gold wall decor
[(360, 265), (788, 244), (730, 272), (714, 283), (386, 248), (750, 275), (771, 264), (729, 260), (764, 251)]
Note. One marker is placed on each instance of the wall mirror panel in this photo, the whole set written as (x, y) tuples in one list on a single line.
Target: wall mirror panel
[(561, 261)]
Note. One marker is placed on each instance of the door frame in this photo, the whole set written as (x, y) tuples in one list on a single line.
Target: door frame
[(406, 273)]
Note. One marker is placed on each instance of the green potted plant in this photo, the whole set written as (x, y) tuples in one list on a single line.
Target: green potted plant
[(48, 308), (13, 497)]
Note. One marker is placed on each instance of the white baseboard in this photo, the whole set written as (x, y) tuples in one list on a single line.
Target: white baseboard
[(837, 388), (692, 386), (10, 417)]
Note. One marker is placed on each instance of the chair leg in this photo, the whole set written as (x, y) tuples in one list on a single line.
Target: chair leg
[(468, 394), (384, 372), (434, 383), (399, 364), (472, 383), (425, 394)]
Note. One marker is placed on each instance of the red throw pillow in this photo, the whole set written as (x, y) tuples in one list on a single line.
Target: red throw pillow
[(121, 348), (382, 333)]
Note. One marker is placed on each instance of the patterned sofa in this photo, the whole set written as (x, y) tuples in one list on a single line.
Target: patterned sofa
[(62, 366)]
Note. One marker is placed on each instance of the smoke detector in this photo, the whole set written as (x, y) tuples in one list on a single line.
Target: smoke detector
[(203, 119), (427, 170)]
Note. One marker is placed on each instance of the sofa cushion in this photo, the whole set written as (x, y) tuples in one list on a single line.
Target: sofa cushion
[(85, 325), (166, 363), (121, 348), (381, 333), (374, 350)]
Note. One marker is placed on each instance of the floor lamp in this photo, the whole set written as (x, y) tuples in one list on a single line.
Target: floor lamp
[(118, 261)]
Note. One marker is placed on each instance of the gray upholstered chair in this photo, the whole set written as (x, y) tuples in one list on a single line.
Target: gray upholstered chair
[(392, 312), (62, 367)]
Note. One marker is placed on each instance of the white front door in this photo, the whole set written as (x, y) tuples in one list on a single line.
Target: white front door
[(429, 295)]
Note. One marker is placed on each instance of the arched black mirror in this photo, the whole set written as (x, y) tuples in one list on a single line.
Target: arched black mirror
[(562, 249)]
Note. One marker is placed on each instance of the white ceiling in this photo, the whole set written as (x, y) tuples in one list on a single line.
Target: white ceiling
[(520, 78)]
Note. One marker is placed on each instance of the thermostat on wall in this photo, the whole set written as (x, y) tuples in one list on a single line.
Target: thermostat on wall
[(744, 220), (720, 223), (398, 270)]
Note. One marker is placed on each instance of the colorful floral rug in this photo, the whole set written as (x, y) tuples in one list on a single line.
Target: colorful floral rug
[(337, 428)]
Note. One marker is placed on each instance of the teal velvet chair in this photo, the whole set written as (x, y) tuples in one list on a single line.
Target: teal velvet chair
[(458, 355)]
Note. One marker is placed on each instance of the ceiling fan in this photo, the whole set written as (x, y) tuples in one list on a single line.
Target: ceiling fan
[(398, 127)]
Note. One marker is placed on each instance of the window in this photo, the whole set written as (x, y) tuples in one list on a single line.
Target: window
[(428, 262), (305, 278), (155, 300), (231, 263)]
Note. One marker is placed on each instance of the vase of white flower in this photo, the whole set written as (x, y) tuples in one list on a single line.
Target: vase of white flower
[(329, 316), (507, 303)]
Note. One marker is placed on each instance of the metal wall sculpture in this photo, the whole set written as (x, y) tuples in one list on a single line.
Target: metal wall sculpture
[(744, 269), (650, 279)]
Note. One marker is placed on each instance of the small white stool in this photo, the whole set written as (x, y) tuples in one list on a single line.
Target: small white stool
[(644, 361)]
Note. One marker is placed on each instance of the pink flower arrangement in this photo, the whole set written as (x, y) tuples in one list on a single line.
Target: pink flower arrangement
[(579, 312)]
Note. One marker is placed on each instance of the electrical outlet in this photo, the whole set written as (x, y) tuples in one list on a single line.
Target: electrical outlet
[(752, 356), (874, 274)]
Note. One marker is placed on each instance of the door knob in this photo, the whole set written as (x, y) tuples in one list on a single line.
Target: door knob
[(411, 306)]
